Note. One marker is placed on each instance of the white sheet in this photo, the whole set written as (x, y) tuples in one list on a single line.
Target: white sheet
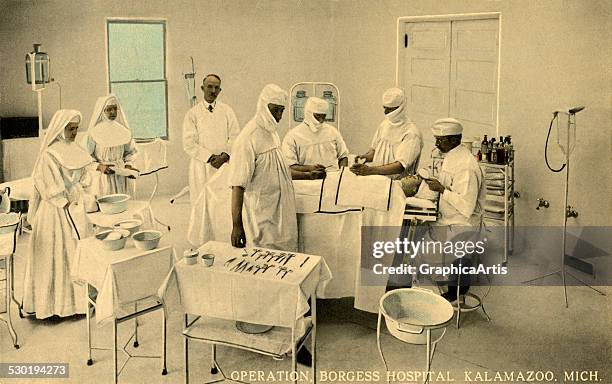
[(225, 292), (121, 277)]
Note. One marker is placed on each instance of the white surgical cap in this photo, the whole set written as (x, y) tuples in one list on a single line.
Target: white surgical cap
[(316, 105), (393, 97), (447, 127), (273, 94), (270, 94), (76, 119)]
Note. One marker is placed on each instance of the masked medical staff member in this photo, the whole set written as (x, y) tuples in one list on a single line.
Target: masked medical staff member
[(110, 143), (59, 177), (396, 148), (313, 146), (462, 195), (209, 130), (261, 182)]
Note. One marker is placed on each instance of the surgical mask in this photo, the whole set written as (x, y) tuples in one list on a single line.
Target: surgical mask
[(397, 117), (312, 123)]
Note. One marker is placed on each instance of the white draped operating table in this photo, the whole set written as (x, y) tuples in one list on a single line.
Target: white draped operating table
[(331, 214)]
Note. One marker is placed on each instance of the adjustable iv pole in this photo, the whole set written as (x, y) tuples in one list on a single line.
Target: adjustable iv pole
[(567, 149)]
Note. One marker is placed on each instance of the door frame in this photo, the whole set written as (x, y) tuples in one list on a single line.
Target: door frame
[(451, 17)]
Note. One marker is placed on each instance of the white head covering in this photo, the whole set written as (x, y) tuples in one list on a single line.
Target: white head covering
[(270, 94), (68, 154), (105, 132), (394, 97), (447, 127), (314, 105)]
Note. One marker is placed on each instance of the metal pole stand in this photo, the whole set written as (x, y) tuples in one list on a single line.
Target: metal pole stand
[(567, 150)]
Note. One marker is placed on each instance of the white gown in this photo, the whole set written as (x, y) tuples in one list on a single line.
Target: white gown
[(205, 134), (269, 212), (302, 146), (48, 288), (110, 143), (398, 142)]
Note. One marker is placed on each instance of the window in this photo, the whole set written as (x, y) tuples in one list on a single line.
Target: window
[(137, 74)]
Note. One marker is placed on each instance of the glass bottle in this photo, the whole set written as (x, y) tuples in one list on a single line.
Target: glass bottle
[(475, 145), (501, 152), (492, 150), (41, 66), (509, 150), (331, 105), (485, 148), (298, 105)]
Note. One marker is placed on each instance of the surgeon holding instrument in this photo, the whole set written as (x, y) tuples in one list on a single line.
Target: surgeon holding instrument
[(396, 148)]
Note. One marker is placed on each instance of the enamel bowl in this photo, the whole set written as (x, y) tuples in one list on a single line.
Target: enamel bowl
[(111, 204), (132, 225), (113, 239), (147, 240)]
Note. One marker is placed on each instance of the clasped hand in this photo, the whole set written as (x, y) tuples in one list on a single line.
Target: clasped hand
[(218, 160)]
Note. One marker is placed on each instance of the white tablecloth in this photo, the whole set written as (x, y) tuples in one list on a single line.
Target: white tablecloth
[(121, 277), (136, 209), (324, 228), (250, 284)]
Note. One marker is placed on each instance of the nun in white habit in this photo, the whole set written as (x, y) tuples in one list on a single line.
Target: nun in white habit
[(261, 179), (396, 147), (110, 143), (56, 208)]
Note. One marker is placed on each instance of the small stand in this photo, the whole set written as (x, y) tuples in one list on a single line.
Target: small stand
[(567, 149)]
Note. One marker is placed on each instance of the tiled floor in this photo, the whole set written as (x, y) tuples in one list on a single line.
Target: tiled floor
[(531, 330)]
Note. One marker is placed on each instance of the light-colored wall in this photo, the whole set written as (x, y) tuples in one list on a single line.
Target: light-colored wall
[(554, 53), (248, 43)]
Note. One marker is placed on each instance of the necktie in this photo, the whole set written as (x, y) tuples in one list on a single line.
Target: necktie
[(210, 108)]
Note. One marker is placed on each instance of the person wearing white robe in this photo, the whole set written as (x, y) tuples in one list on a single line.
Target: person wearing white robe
[(261, 179), (462, 195), (109, 141), (209, 130), (56, 206), (396, 147), (261, 184), (314, 147)]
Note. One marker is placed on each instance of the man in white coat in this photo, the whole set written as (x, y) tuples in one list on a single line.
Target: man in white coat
[(261, 180), (261, 183), (462, 196), (209, 130)]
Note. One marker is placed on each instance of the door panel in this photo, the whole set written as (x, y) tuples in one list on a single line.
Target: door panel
[(450, 68), (424, 73), (473, 80)]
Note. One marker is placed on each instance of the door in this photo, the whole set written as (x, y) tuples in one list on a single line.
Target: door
[(473, 80), (424, 75), (450, 69)]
